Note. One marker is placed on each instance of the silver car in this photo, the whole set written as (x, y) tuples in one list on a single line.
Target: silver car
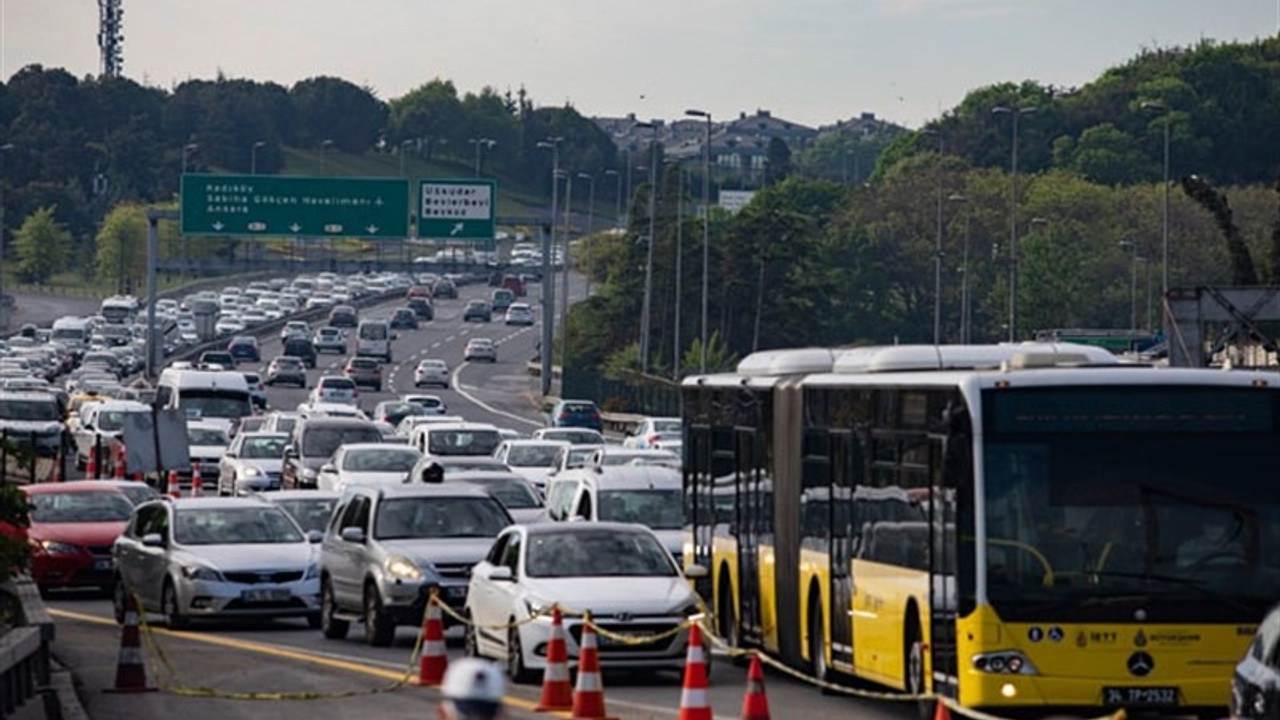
[(388, 546), (252, 463), (217, 557)]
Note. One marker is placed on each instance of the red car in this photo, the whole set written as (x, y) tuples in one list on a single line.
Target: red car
[(73, 526)]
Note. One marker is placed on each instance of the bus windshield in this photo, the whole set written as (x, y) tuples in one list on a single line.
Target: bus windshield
[(1101, 502)]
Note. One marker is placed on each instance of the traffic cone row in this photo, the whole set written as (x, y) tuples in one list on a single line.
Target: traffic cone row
[(557, 693), (174, 490), (197, 483), (131, 673), (434, 660), (91, 467), (694, 703), (588, 695), (118, 470)]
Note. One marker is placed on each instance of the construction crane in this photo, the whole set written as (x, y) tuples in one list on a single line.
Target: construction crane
[(110, 36)]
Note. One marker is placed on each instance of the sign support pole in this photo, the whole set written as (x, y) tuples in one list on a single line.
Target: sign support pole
[(154, 351)]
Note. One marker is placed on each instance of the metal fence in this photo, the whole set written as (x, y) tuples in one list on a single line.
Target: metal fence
[(640, 394), (24, 649)]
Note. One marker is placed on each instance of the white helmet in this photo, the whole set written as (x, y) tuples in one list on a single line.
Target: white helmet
[(474, 688)]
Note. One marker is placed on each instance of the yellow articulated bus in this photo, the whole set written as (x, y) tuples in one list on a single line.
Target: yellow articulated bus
[(1014, 526)]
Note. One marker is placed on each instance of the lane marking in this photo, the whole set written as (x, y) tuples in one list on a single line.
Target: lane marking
[(304, 656), (456, 383)]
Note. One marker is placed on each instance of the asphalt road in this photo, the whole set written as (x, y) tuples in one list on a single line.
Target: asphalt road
[(285, 656)]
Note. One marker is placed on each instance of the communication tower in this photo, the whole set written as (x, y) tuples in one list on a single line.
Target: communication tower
[(110, 37)]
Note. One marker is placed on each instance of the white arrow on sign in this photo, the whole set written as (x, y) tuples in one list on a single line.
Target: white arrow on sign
[(377, 201), (218, 226), (333, 228), (457, 228), (257, 226), (295, 227), (373, 229)]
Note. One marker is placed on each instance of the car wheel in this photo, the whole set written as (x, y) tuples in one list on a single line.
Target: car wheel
[(470, 639), (169, 603), (332, 627), (817, 644), (378, 387), (516, 669), (379, 630), (313, 620), (119, 604)]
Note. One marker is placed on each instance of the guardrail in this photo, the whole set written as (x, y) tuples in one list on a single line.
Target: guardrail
[(24, 650)]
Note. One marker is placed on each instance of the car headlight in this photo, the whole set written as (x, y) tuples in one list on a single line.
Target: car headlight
[(252, 472), (52, 547), (200, 572), (310, 473), (313, 572), (538, 606), (402, 568)]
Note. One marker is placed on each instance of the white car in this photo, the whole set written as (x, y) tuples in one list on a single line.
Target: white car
[(534, 459), (252, 463), (310, 410), (367, 464), (207, 442), (229, 325), (653, 430), (478, 349), (295, 327), (617, 570), (433, 404), (431, 371), (519, 314), (335, 389)]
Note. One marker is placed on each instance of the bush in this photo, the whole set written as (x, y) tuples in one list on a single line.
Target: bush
[(15, 550)]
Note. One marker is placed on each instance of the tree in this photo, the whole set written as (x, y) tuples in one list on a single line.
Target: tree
[(329, 108), (122, 246), (777, 163), (42, 245)]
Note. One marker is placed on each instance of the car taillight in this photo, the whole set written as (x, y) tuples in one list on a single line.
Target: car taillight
[(347, 371), (377, 371), (653, 439), (564, 415)]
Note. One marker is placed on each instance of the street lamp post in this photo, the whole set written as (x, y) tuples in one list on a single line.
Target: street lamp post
[(1132, 247), (4, 317), (706, 227), (591, 219), (564, 272), (186, 153), (404, 145), (617, 212), (648, 264), (675, 354), (325, 145), (1016, 112), (253, 156), (964, 269), (548, 286), (478, 143), (937, 249), (1164, 225)]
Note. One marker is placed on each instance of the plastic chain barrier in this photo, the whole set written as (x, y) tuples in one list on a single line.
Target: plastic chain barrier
[(166, 677), (955, 707)]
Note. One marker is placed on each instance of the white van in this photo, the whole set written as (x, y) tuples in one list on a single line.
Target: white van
[(221, 396), (373, 339), (73, 332)]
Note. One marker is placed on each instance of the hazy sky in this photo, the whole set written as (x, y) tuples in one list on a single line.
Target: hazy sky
[(810, 61)]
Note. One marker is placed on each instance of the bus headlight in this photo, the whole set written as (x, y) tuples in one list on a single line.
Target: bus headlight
[(1007, 662)]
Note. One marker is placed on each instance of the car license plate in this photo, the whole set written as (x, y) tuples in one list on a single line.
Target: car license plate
[(268, 595), (456, 592), (102, 565), (1149, 696)]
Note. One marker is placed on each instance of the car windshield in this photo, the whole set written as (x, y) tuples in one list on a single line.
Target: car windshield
[(310, 513), (321, 442), (234, 526), (666, 426), (513, 493), (263, 448), (35, 410), (462, 442), (578, 408), (596, 553), (287, 364), (80, 507), (206, 436), (655, 509), (388, 459), (532, 455), (111, 420), (337, 384), (439, 517), (212, 403), (579, 456), (138, 494)]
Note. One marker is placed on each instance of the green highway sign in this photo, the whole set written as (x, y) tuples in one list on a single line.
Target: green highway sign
[(311, 206), (457, 208)]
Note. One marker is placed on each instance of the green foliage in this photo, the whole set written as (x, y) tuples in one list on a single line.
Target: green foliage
[(15, 551), (122, 246), (719, 357), (42, 246), (329, 108)]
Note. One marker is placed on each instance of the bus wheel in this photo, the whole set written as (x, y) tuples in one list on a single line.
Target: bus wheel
[(913, 670), (817, 644), (727, 624)]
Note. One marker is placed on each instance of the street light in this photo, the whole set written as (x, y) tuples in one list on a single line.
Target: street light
[(591, 217), (548, 286), (253, 156), (1013, 215), (1132, 247), (675, 360), (404, 145), (937, 248), (186, 153), (4, 319), (478, 142), (1164, 227), (706, 226), (324, 155), (648, 264), (965, 318), (617, 178)]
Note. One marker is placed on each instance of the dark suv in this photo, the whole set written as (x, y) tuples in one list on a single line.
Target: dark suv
[(244, 347), (477, 310), (422, 306), (313, 442), (366, 372), (344, 316), (301, 348), (445, 289)]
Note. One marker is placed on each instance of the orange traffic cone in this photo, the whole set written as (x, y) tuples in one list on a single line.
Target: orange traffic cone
[(174, 490), (434, 660), (557, 692), (694, 704), (588, 695), (755, 705), (941, 711), (91, 467), (131, 674), (118, 470), (197, 483)]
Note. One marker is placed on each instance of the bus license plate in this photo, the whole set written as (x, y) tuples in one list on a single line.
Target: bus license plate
[(1149, 696), (272, 595)]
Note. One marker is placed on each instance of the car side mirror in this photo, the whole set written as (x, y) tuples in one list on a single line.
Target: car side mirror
[(695, 572), (328, 468), (230, 454), (501, 573), (290, 451), (314, 536), (352, 534), (153, 540)]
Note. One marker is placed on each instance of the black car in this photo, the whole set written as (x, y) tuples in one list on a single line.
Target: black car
[(445, 289), (343, 316), (404, 318), (477, 310), (423, 307), (1255, 688), (244, 347), (301, 348)]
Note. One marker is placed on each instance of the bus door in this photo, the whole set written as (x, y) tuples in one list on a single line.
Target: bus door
[(754, 506), (846, 459), (699, 481), (952, 461)]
